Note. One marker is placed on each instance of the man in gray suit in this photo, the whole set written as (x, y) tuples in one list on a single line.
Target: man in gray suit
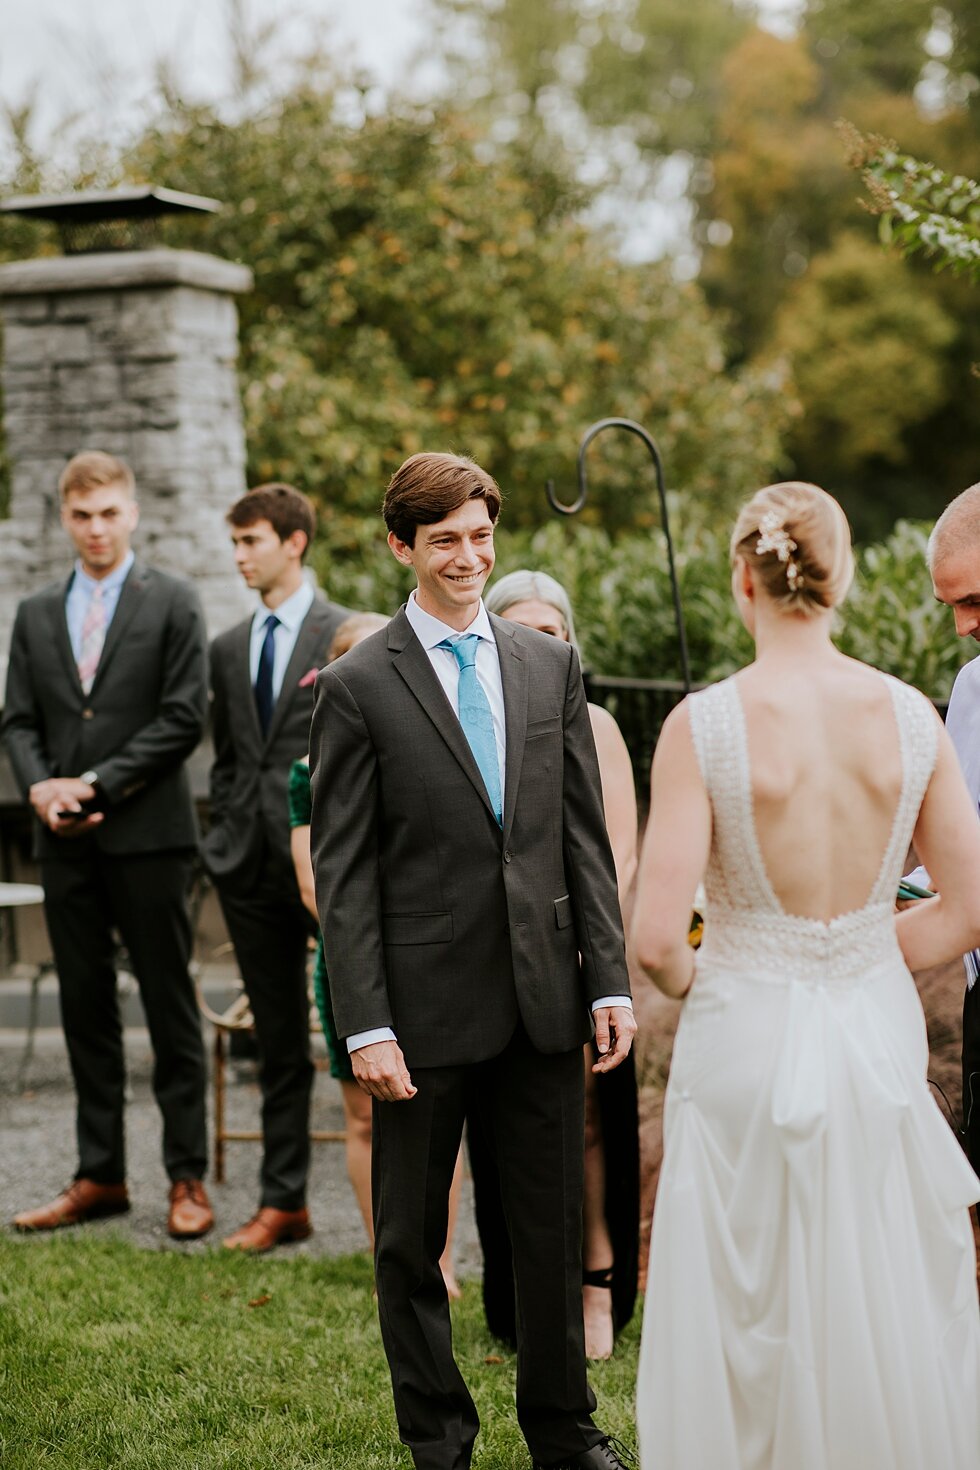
[(106, 698), (262, 675), (467, 896)]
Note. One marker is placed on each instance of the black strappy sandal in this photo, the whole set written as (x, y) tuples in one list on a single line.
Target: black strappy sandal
[(602, 1277)]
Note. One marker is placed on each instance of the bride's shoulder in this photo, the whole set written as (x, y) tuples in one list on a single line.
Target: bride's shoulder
[(709, 695), (700, 723), (912, 699), (697, 706)]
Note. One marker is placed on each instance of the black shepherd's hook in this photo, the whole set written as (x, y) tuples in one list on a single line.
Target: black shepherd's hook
[(583, 495)]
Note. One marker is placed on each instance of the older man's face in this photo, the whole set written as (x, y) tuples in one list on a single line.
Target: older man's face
[(956, 582)]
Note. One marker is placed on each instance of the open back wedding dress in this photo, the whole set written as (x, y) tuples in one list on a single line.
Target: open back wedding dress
[(812, 1300)]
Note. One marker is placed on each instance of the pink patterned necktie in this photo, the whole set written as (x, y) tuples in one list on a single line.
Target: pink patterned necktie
[(93, 638)]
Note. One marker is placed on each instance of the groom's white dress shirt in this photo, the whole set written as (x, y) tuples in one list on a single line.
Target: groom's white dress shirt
[(431, 633)]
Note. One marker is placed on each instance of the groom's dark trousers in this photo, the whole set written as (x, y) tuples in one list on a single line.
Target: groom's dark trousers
[(483, 947), (532, 1110)]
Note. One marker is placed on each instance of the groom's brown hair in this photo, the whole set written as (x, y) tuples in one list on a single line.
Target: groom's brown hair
[(429, 487)]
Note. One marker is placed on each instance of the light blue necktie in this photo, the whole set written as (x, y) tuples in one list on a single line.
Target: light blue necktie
[(475, 716)]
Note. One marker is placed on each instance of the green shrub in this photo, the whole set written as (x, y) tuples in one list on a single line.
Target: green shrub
[(620, 590)]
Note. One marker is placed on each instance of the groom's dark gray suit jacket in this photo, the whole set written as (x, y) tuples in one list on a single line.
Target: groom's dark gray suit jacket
[(435, 921)]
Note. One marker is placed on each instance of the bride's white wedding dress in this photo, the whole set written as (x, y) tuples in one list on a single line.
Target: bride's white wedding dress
[(812, 1299)]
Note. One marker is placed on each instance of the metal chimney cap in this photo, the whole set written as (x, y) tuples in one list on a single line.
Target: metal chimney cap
[(144, 201)]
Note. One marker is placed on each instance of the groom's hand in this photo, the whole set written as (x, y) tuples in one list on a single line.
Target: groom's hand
[(615, 1027), (381, 1071)]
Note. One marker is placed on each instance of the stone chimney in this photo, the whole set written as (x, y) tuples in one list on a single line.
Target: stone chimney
[(132, 351)]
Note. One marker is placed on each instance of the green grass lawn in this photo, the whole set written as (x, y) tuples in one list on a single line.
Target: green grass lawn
[(112, 1356)]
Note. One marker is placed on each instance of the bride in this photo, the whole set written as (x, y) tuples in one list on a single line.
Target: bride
[(812, 1298)]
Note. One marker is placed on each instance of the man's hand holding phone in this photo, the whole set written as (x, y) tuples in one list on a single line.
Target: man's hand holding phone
[(66, 816), (62, 804)]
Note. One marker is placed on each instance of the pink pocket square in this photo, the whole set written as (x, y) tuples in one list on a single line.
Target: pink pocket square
[(308, 679)]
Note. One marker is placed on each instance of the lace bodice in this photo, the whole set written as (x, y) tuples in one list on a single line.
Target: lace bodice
[(746, 927)]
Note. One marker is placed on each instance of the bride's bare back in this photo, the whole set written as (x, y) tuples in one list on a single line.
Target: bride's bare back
[(825, 773), (826, 777)]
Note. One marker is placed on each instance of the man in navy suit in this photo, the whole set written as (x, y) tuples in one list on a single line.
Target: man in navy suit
[(262, 676)]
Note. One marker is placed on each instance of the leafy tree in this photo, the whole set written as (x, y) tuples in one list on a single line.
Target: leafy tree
[(624, 613), (417, 287), (647, 69), (876, 42), (922, 210), (868, 364), (768, 191)]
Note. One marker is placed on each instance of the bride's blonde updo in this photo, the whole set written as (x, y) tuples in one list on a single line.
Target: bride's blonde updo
[(798, 540)]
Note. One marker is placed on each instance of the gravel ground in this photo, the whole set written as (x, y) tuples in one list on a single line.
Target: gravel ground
[(37, 1155)]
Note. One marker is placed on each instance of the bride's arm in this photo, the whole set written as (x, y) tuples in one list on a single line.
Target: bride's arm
[(673, 859), (947, 839)]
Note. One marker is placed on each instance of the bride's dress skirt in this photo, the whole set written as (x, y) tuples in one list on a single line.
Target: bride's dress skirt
[(812, 1296)]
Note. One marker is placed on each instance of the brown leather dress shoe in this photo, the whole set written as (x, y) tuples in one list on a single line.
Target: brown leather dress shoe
[(84, 1199), (270, 1228), (190, 1214)]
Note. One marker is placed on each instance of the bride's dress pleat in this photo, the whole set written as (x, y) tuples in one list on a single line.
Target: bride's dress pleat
[(811, 1300)]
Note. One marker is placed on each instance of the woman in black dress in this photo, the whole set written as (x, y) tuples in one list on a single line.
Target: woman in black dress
[(610, 1216)]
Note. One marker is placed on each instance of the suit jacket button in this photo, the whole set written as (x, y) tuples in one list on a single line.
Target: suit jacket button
[(88, 714), (508, 855)]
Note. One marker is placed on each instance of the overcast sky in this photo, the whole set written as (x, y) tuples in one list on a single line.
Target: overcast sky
[(66, 51), (71, 56)]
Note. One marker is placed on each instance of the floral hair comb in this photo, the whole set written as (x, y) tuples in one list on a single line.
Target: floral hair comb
[(773, 536)]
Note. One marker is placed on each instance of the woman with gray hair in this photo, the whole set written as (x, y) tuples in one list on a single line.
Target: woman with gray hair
[(611, 1204)]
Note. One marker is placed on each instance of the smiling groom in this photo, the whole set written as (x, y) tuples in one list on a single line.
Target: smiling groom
[(467, 895)]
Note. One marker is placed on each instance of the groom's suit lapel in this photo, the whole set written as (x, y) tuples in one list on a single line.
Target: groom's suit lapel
[(514, 678), (412, 662)]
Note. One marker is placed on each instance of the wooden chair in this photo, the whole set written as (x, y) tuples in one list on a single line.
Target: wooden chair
[(237, 1016)]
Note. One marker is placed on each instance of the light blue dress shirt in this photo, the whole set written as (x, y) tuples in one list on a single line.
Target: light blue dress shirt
[(290, 614), (80, 595)]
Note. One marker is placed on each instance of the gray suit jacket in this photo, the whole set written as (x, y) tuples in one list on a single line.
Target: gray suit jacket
[(249, 832), (145, 713), (435, 921)]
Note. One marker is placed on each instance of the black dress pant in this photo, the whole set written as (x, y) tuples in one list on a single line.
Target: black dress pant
[(142, 896), (971, 1076), (270, 929), (618, 1119), (532, 1108)]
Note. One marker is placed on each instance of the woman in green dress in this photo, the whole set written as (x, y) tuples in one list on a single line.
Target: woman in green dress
[(357, 1104)]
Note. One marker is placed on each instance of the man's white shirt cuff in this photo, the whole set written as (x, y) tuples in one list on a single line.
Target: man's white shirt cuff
[(385, 1033), (369, 1038)]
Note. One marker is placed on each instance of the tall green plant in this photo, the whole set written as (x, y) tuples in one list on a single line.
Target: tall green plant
[(624, 612)]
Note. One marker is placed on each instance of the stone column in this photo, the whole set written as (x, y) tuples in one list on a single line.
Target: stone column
[(134, 353)]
